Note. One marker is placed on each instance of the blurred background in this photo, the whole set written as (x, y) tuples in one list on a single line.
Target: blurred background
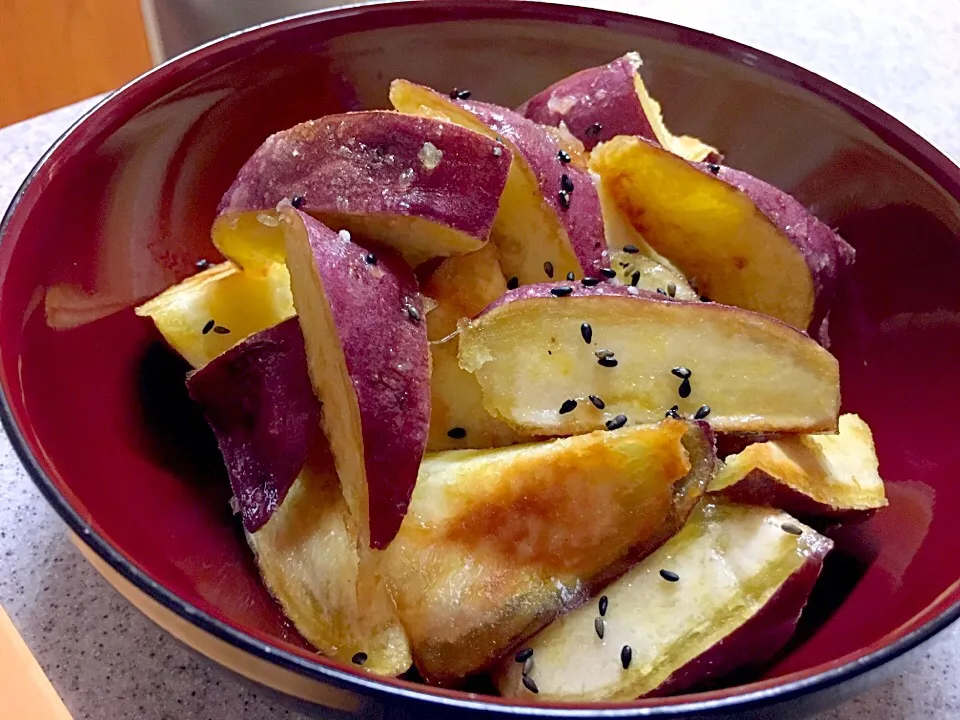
[(55, 52)]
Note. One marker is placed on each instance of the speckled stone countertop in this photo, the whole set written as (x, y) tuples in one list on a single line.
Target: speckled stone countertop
[(109, 662)]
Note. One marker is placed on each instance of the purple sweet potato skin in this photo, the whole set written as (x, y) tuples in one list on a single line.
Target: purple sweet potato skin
[(258, 399), (583, 219), (388, 360), (604, 95), (760, 638), (369, 163), (828, 256)]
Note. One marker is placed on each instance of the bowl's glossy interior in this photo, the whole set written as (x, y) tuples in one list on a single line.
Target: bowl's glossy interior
[(123, 206)]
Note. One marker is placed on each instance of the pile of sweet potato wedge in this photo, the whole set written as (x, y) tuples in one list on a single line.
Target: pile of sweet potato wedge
[(466, 366)]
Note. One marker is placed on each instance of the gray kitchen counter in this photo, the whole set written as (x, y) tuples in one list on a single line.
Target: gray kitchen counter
[(109, 662)]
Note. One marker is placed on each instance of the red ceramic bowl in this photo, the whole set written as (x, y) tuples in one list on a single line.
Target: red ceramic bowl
[(121, 206)]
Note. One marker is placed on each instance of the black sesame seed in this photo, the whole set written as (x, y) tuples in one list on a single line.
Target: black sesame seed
[(791, 529), (608, 362), (298, 201), (590, 281), (672, 413), (597, 402), (626, 655), (527, 666), (513, 283), (208, 327), (672, 289), (568, 406), (571, 276), (684, 390), (412, 312), (457, 433), (702, 412), (221, 330), (456, 94), (714, 168), (682, 372), (566, 183), (669, 575), (598, 626), (523, 655), (586, 332), (548, 268), (564, 197), (635, 278), (561, 291), (203, 264), (594, 129), (370, 259), (530, 685), (608, 272), (632, 249), (616, 423), (603, 605), (359, 658), (564, 157), (661, 291)]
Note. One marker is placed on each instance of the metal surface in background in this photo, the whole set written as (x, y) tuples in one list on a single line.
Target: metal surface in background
[(174, 26)]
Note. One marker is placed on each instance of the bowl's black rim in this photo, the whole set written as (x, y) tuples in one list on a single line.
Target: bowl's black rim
[(923, 153)]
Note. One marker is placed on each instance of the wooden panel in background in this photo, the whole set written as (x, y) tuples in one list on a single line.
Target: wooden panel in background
[(26, 691), (55, 52)]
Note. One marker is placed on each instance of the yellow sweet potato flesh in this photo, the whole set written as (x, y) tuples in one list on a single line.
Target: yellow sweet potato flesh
[(731, 561), (308, 559), (498, 542), (456, 401), (756, 374), (713, 232), (462, 286), (242, 302), (834, 473)]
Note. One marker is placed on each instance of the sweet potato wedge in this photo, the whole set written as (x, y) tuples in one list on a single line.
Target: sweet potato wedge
[(542, 230), (458, 418), (723, 594), (369, 362), (257, 398), (308, 558), (655, 270), (420, 186), (212, 311), (486, 556), (539, 358), (739, 240), (808, 475), (599, 103), (462, 286)]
